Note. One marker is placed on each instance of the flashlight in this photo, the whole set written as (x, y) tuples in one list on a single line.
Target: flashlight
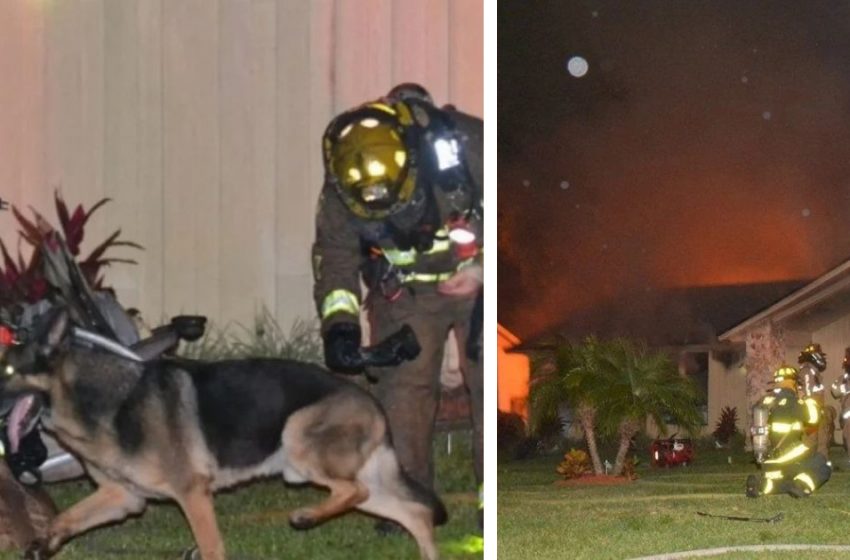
[(461, 234)]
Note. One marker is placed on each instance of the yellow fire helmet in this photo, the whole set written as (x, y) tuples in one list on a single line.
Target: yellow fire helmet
[(371, 159), (785, 373)]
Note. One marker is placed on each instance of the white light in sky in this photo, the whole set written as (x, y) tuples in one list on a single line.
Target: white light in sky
[(577, 66), (806, 212), (565, 185), (766, 115)]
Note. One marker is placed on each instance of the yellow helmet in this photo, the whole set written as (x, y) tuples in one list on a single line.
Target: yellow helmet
[(785, 373), (371, 159)]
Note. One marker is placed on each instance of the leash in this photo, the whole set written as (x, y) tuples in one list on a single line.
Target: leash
[(105, 343), (775, 519)]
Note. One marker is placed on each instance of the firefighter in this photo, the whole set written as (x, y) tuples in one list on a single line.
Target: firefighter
[(840, 389), (812, 362), (780, 419), (401, 210)]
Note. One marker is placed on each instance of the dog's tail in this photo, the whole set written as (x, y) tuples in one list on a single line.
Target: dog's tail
[(426, 497)]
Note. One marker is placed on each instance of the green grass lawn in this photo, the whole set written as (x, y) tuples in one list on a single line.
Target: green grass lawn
[(657, 513), (255, 526)]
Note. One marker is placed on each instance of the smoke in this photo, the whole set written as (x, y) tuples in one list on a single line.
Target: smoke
[(706, 145)]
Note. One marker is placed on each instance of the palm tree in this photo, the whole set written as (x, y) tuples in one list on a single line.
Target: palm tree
[(642, 384), (572, 375)]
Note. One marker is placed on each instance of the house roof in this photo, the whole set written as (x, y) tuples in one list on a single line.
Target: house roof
[(510, 338), (673, 317), (814, 304)]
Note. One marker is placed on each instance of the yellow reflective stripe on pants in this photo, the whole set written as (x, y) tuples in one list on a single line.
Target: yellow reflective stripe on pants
[(789, 456), (768, 486), (807, 480), (471, 544), (773, 475), (340, 301)]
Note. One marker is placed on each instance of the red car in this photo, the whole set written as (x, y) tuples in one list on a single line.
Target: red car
[(671, 452)]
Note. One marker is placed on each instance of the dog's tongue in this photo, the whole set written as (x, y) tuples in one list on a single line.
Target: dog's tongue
[(16, 420)]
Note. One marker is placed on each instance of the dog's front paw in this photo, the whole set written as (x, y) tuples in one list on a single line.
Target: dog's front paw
[(37, 550), (302, 519)]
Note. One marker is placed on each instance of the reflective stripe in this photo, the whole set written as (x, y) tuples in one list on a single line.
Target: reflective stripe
[(471, 544), (768, 486), (439, 246), (382, 107), (481, 496), (782, 402), (846, 414), (812, 407), (791, 455), (425, 277), (768, 400), (773, 475), (784, 428), (400, 258), (340, 301), (806, 479)]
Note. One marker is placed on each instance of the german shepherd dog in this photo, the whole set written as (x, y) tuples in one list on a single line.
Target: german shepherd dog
[(180, 429)]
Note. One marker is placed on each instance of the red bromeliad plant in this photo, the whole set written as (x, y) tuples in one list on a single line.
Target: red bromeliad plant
[(23, 281)]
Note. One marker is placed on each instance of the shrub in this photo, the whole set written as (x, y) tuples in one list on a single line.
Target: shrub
[(511, 439), (510, 429), (549, 434), (726, 426), (265, 339), (575, 464), (24, 280)]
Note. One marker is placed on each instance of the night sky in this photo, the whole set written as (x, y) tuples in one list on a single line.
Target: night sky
[(708, 144)]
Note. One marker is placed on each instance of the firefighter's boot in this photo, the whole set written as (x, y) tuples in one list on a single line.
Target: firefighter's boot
[(753, 486)]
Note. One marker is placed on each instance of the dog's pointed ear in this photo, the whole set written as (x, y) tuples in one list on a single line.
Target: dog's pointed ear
[(57, 330)]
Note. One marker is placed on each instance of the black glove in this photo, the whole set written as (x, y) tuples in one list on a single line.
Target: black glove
[(342, 348), (399, 347)]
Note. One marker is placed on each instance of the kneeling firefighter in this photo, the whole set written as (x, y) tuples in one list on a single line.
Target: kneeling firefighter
[(789, 466), (401, 210), (812, 362)]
